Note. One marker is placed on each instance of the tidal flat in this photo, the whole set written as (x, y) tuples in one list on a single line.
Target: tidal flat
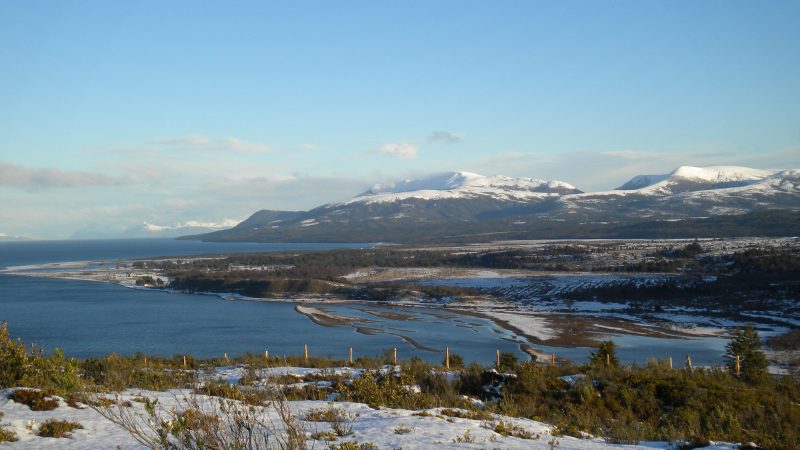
[(541, 297)]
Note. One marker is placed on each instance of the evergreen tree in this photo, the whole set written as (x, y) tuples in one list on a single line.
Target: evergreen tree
[(606, 354), (746, 344)]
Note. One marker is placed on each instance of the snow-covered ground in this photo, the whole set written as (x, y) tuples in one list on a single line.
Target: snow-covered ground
[(386, 428)]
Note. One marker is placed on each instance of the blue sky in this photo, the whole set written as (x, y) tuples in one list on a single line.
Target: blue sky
[(115, 113)]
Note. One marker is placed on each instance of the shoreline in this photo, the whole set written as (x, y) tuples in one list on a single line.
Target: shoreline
[(537, 327)]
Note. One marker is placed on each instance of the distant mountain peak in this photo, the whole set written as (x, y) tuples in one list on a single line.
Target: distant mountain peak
[(451, 185), (690, 178), (456, 205), (721, 173), (640, 181), (437, 182)]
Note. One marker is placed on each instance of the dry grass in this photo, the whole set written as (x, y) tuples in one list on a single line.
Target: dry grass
[(36, 400), (58, 428)]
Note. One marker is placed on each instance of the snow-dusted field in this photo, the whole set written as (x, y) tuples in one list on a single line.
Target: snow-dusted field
[(386, 428)]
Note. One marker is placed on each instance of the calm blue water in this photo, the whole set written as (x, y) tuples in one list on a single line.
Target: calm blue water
[(95, 319), (38, 252)]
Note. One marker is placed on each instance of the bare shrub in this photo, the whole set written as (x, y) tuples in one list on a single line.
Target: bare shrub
[(341, 421), (35, 399), (7, 435), (58, 428)]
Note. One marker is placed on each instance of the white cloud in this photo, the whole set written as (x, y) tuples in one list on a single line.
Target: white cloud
[(402, 150), (630, 154), (309, 146), (204, 143), (446, 137), (45, 178)]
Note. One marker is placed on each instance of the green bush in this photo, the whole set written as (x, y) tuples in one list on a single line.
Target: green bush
[(33, 369), (12, 359)]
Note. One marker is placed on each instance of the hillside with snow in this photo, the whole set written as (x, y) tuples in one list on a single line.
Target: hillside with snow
[(380, 427), (463, 185), (733, 201), (688, 178)]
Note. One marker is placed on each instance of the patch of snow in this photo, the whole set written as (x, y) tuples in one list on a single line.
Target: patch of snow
[(372, 425), (462, 185)]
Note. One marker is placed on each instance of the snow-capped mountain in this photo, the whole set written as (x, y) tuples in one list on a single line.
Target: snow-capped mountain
[(467, 204), (462, 185), (688, 178), (688, 192), (151, 230), (146, 229), (4, 237)]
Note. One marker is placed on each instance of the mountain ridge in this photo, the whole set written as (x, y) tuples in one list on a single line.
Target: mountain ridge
[(455, 203)]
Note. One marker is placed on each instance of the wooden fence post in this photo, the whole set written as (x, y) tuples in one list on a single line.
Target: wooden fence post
[(689, 363), (670, 362), (394, 354), (738, 365), (553, 360), (145, 361), (305, 352), (497, 360), (350, 355), (608, 359), (184, 360), (447, 358)]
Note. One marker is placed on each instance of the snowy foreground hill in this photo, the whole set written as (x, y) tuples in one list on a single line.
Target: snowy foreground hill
[(467, 205), (385, 428)]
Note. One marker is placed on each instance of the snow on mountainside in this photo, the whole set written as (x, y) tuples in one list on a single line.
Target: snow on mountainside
[(454, 185), (641, 181), (688, 178), (467, 204), (782, 182), (147, 229)]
